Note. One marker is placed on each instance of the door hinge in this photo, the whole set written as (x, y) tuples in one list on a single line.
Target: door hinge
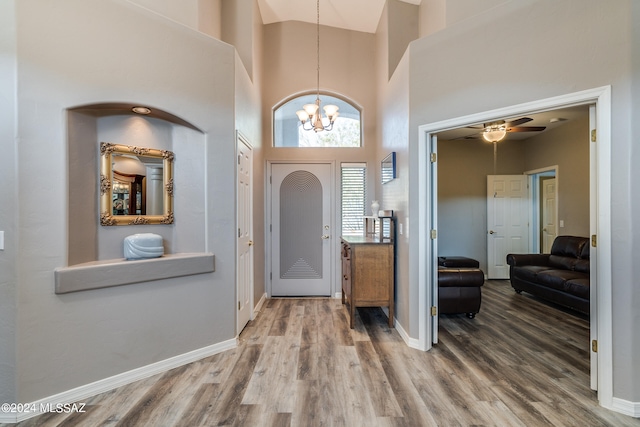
[(434, 234), (434, 310), (270, 180), (594, 346), (238, 158), (270, 228), (238, 305), (434, 157), (270, 276), (239, 233), (593, 135), (594, 240)]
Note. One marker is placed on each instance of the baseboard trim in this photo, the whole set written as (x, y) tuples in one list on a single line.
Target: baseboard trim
[(625, 407), (410, 342), (259, 305), (104, 385)]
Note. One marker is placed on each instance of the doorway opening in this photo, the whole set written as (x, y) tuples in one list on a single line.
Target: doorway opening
[(599, 101), (543, 196)]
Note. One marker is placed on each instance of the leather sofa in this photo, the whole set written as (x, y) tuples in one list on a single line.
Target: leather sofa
[(459, 282), (561, 277)]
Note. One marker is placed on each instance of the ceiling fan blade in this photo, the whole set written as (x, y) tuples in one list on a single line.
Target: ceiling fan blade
[(472, 136), (518, 122), (527, 129)]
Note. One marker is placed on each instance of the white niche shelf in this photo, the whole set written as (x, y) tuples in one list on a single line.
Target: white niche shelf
[(118, 272)]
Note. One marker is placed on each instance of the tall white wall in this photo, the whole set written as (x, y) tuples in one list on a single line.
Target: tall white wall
[(554, 48), (8, 219), (93, 53)]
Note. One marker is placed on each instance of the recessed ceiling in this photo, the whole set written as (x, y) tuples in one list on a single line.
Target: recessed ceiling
[(356, 15), (538, 119)]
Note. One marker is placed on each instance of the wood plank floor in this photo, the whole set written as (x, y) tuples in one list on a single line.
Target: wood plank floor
[(520, 362)]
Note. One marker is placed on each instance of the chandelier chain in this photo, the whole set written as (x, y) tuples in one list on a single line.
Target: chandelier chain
[(318, 46), (311, 114)]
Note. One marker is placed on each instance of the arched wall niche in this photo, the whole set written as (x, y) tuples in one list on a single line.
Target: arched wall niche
[(88, 125)]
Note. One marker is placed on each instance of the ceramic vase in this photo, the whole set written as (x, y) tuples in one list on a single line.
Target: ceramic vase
[(375, 207)]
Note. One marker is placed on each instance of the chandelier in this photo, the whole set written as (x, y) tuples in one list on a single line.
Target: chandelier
[(311, 115)]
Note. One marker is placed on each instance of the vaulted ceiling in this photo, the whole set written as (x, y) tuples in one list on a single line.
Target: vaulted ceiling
[(356, 15)]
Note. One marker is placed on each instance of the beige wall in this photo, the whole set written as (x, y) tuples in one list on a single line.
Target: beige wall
[(567, 147), (402, 28), (347, 68), (463, 166)]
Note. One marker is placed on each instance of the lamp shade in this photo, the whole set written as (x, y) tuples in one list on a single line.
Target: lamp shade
[(302, 115), (330, 110), (310, 109), (494, 133)]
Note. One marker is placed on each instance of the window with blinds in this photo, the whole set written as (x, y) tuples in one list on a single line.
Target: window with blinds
[(353, 190)]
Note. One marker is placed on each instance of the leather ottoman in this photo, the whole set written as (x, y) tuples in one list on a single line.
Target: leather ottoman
[(459, 290), (457, 262)]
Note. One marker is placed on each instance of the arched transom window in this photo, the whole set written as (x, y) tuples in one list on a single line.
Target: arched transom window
[(289, 132)]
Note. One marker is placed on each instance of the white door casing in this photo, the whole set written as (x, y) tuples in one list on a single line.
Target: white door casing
[(549, 214), (507, 221), (301, 229), (434, 241), (244, 243), (601, 316), (596, 284)]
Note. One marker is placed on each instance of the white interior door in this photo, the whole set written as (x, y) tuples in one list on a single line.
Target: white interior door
[(245, 232), (549, 214), (301, 229), (507, 221)]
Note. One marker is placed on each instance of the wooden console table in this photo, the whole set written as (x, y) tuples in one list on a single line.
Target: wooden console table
[(367, 274)]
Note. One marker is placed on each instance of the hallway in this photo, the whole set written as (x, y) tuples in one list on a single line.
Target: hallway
[(519, 362)]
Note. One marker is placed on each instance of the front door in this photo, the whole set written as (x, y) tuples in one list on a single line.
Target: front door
[(507, 221), (301, 229)]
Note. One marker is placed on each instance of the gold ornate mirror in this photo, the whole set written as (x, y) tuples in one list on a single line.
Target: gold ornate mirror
[(136, 185)]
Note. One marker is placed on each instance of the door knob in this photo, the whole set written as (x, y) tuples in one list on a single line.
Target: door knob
[(250, 242), (325, 237), (492, 232)]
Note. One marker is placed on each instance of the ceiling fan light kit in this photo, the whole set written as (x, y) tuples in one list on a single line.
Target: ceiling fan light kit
[(495, 132), (311, 115)]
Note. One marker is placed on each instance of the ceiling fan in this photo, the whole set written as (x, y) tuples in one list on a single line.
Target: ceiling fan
[(496, 131)]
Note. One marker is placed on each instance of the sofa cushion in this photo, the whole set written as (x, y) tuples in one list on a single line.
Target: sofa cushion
[(578, 287), (528, 272), (557, 279), (582, 265), (562, 262), (584, 254), (569, 246)]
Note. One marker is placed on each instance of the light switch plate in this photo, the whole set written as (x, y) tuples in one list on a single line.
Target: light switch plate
[(1, 240)]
